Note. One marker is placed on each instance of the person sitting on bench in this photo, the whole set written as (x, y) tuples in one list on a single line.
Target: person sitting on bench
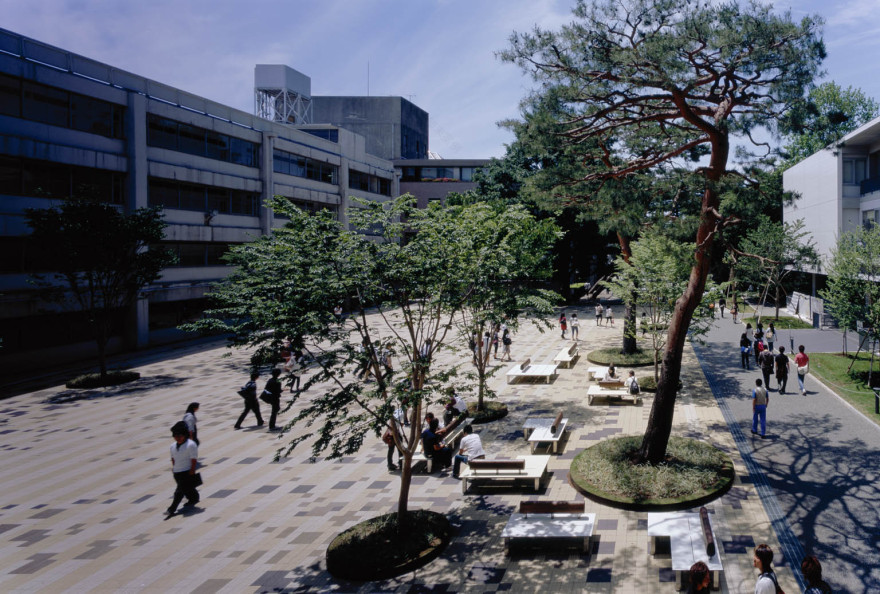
[(471, 449), (433, 447), (611, 374)]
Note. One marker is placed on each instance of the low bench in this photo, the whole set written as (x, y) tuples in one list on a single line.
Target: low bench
[(550, 519), (600, 392), (526, 369), (451, 440), (530, 468), (550, 433), (597, 373), (612, 384), (566, 357), (687, 542)]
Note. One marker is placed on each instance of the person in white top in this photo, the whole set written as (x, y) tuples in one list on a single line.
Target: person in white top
[(184, 458), (574, 326), (629, 381), (471, 448), (762, 561)]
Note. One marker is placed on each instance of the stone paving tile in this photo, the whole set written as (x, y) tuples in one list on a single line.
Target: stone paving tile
[(90, 516)]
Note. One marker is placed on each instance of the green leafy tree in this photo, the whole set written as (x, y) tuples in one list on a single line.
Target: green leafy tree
[(830, 113), (852, 293), (653, 81), (102, 259), (771, 252), (415, 272)]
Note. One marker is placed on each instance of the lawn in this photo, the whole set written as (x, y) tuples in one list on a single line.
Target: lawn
[(783, 323), (852, 386)]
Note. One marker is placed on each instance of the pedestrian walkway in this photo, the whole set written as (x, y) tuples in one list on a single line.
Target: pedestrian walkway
[(86, 477), (817, 471)]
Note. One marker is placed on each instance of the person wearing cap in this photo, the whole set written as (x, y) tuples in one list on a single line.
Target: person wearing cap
[(184, 458)]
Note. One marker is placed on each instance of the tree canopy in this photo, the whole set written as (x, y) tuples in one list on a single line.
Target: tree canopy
[(638, 83), (852, 293)]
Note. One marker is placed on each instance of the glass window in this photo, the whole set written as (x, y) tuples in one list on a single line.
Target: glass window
[(191, 254), (192, 139), (192, 197), (218, 199), (163, 193), (46, 104), (91, 115), (855, 170), (281, 162), (214, 254), (162, 133), (217, 146), (242, 152), (48, 180), (10, 176), (10, 96), (244, 203)]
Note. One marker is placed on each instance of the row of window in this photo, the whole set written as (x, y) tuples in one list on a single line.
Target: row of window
[(45, 179), (39, 331), (291, 164), (465, 174), (185, 196), (194, 254), (57, 107), (358, 180), (855, 170), (193, 140), (310, 207)]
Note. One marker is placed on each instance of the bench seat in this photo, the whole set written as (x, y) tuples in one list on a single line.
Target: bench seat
[(451, 440), (686, 543), (533, 423), (567, 356), (597, 373), (545, 434), (556, 525), (545, 371), (595, 391), (531, 468)]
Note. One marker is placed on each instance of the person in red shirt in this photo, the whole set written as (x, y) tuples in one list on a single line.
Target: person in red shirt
[(802, 361)]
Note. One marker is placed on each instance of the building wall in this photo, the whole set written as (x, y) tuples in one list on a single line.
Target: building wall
[(820, 202), (211, 200)]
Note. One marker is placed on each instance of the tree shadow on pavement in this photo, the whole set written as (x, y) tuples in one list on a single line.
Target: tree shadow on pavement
[(137, 388)]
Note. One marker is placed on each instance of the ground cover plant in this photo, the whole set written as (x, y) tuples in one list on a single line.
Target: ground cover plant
[(693, 471), (850, 383), (114, 377), (613, 355), (783, 323)]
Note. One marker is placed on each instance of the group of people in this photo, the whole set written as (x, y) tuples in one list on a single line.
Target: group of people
[(489, 342), (271, 395), (564, 323), (767, 582), (607, 312), (751, 343), (185, 459)]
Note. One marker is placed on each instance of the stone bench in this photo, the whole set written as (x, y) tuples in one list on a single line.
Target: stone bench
[(600, 392), (567, 356), (550, 520), (689, 542), (548, 433), (531, 468), (451, 440), (526, 369)]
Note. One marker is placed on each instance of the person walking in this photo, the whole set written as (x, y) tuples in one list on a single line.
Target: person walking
[(574, 326), (700, 578), (190, 419), (471, 448), (396, 425), (505, 343), (495, 340), (758, 337), (802, 361), (770, 336), (249, 393), (745, 350), (599, 311), (763, 559), (734, 311), (609, 316), (812, 570), (272, 394), (563, 325), (722, 303), (760, 400), (766, 360), (782, 370), (184, 459)]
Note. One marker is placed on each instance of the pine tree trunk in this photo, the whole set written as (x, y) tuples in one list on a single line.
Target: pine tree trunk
[(629, 330)]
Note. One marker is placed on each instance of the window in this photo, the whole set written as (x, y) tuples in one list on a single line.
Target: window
[(162, 133), (855, 170), (44, 179), (330, 134), (467, 173), (193, 140), (184, 196), (870, 218), (358, 180), (10, 96), (290, 164), (46, 104)]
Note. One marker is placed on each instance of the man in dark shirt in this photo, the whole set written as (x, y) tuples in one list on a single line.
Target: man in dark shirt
[(782, 365)]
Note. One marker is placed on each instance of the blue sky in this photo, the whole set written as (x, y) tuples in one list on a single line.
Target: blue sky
[(438, 53)]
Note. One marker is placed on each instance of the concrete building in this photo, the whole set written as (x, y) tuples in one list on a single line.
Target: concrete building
[(838, 187), (67, 120), (432, 180)]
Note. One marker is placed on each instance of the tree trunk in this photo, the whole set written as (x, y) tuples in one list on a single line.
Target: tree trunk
[(656, 438), (629, 329)]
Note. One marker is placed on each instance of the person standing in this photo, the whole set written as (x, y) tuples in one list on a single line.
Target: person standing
[(190, 419), (471, 448), (722, 303), (599, 311), (758, 337), (563, 325), (249, 393), (766, 359), (734, 311), (770, 336), (574, 326), (745, 350), (802, 361), (184, 459), (396, 425), (505, 343), (760, 400), (495, 341), (272, 389), (609, 316), (782, 370), (762, 561)]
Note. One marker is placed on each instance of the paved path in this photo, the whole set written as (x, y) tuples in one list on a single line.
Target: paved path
[(85, 479), (819, 460)]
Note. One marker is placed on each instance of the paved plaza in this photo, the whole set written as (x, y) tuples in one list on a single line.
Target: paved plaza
[(86, 478)]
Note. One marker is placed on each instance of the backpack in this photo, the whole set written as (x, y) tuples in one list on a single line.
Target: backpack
[(506, 340), (634, 387)]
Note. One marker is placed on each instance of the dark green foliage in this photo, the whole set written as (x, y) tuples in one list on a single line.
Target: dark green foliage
[(96, 380)]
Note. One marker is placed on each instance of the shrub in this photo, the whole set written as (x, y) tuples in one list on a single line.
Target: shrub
[(94, 380), (613, 355)]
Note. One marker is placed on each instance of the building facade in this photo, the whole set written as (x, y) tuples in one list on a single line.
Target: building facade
[(431, 180), (68, 122)]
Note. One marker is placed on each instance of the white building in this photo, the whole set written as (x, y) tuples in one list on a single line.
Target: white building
[(67, 120)]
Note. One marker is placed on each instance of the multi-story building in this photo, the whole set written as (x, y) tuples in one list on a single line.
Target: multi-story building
[(431, 180), (68, 121)]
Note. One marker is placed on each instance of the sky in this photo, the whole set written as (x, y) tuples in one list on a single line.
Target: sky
[(439, 54)]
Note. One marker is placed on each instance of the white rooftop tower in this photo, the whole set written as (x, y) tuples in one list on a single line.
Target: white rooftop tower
[(282, 94)]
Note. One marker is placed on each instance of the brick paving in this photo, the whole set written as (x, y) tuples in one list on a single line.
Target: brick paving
[(86, 479)]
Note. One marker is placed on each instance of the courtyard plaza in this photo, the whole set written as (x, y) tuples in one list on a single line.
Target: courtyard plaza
[(87, 479)]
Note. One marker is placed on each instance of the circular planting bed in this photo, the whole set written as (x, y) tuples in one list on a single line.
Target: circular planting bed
[(492, 411), (384, 547), (648, 384), (613, 355), (94, 380), (694, 473)]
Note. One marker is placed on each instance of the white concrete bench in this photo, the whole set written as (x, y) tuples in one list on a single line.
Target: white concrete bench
[(526, 369), (451, 440), (600, 392), (686, 543), (530, 468), (597, 373), (550, 519), (533, 423), (548, 433), (567, 356)]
